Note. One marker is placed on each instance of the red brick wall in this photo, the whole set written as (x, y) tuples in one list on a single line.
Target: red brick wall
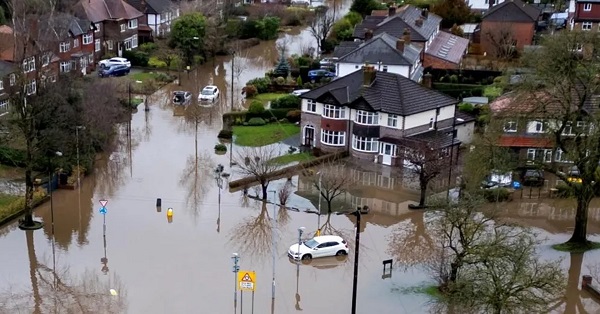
[(437, 63), (593, 14), (521, 32), (334, 125)]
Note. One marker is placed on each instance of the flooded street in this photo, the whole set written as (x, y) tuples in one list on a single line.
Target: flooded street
[(136, 260)]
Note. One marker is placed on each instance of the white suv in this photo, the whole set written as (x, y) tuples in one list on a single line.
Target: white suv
[(107, 63), (320, 246), (209, 93)]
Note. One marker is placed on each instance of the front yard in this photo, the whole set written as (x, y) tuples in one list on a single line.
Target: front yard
[(266, 97), (290, 158), (264, 135)]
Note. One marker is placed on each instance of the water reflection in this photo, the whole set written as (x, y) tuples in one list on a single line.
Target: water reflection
[(196, 179), (253, 236), (410, 244)]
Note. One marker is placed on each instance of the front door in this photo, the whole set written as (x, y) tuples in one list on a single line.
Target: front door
[(387, 151), (309, 136)]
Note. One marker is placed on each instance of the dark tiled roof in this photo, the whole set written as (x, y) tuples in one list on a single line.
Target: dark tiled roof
[(448, 47), (390, 92), (382, 48), (61, 26), (152, 6), (344, 48), (370, 22), (464, 116), (6, 68), (512, 11), (405, 17), (436, 138), (101, 10)]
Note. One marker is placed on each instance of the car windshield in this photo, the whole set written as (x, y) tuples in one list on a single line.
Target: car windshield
[(311, 244), (207, 92)]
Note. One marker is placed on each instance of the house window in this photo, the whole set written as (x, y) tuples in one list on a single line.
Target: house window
[(64, 46), (3, 105), (510, 126), (97, 45), (97, 26), (392, 121), (132, 24), (91, 59), (537, 154), (30, 88), (134, 41), (123, 27), (333, 138), (561, 156), (431, 123), (586, 26), (366, 117), (365, 144), (12, 79), (311, 106), (1, 84), (75, 42), (335, 112), (568, 129), (587, 7), (536, 127), (88, 39), (384, 68), (29, 65), (65, 66), (45, 59), (83, 62), (109, 43)]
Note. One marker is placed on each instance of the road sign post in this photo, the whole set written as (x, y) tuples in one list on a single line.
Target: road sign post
[(246, 282)]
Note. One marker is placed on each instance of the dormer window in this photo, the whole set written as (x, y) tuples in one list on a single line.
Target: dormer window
[(587, 7)]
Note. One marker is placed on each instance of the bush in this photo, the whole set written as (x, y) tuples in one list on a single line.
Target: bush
[(279, 81), (163, 77), (286, 102), (220, 148), (564, 191), (137, 58), (155, 62), (250, 91), (233, 28), (256, 108), (198, 59), (466, 107), (226, 134), (148, 47), (261, 84), (12, 157), (492, 92), (299, 81), (277, 113), (497, 195), (256, 121), (294, 116)]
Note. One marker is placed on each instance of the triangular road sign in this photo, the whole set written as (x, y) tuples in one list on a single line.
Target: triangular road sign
[(247, 278), (103, 203)]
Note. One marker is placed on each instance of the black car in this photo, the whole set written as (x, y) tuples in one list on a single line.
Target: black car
[(533, 177), (182, 98), (115, 70)]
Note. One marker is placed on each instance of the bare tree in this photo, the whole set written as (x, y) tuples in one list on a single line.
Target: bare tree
[(256, 163), (196, 178), (427, 159), (321, 26), (239, 64), (331, 181), (253, 236), (502, 41)]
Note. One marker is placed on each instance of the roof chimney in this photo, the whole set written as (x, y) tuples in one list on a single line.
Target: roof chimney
[(392, 10), (406, 36), (369, 74), (400, 45), (424, 13), (426, 81), (419, 22), (368, 34)]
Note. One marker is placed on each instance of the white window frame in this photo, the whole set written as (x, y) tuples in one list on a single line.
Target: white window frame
[(539, 126), (334, 112), (568, 129), (510, 126), (97, 26), (587, 7), (134, 41), (560, 156), (4, 105), (64, 46), (586, 26), (75, 42), (97, 45), (123, 27), (65, 66), (45, 59), (31, 87), (1, 84), (29, 65), (311, 106), (91, 58), (366, 117), (88, 39), (539, 154), (110, 45), (365, 144), (12, 78), (392, 120), (333, 138), (132, 24), (384, 68)]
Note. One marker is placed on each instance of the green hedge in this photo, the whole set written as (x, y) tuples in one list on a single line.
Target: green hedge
[(12, 157), (286, 102), (459, 90), (137, 58)]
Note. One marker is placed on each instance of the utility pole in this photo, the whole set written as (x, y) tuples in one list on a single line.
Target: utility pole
[(356, 249), (319, 213), (236, 268), (232, 75), (274, 243)]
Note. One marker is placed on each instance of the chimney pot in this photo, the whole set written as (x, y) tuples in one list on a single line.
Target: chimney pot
[(368, 34), (424, 13), (400, 45), (406, 36), (369, 74), (392, 10), (426, 81), (419, 22)]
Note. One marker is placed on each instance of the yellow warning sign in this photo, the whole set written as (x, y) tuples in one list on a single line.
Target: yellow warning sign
[(246, 280)]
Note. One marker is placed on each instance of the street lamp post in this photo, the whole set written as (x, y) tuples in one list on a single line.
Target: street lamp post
[(319, 209), (218, 172), (50, 175), (357, 213), (236, 268), (300, 231), (274, 243), (232, 75)]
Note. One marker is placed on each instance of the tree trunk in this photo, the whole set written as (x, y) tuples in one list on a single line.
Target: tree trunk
[(264, 186), (328, 206), (423, 195), (581, 217), (28, 218), (453, 272)]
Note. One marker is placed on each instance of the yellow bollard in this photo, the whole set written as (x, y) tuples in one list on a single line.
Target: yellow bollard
[(318, 232), (170, 212)]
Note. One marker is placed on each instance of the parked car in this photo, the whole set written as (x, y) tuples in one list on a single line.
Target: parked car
[(299, 92), (322, 263), (209, 93), (115, 70), (497, 179), (533, 177), (328, 63), (107, 63), (573, 175), (182, 98), (320, 73), (300, 2), (321, 246)]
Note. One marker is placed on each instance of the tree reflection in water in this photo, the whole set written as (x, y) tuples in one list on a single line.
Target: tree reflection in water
[(253, 236), (349, 235), (60, 291), (196, 178), (410, 244)]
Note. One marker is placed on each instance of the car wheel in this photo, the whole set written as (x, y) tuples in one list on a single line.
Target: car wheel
[(340, 253), (306, 257)]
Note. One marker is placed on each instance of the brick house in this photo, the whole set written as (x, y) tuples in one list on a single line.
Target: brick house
[(584, 15), (417, 27), (7, 83), (369, 113), (507, 27), (115, 23), (157, 19)]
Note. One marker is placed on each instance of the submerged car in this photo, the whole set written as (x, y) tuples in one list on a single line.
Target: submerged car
[(533, 177), (115, 70), (182, 98), (497, 180), (321, 246), (209, 93)]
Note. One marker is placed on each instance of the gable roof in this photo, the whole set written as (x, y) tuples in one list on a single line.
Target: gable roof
[(448, 47), (60, 26), (406, 17), (512, 11), (102, 10), (151, 6), (344, 48), (382, 48), (389, 92)]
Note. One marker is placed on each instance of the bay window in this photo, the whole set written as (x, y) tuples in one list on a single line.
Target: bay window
[(537, 154), (365, 144), (335, 112), (366, 117), (64, 46), (88, 39), (333, 138)]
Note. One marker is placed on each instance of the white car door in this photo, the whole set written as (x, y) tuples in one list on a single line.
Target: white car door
[(332, 248), (320, 250)]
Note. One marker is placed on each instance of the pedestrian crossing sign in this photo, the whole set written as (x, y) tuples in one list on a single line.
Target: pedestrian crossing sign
[(246, 280)]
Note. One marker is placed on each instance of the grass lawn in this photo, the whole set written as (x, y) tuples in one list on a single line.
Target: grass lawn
[(289, 158), (576, 248), (5, 201), (263, 135), (7, 172), (142, 76), (266, 97)]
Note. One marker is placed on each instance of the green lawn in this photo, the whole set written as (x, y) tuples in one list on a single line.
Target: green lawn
[(5, 201), (263, 135), (289, 158), (142, 76), (266, 97)]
